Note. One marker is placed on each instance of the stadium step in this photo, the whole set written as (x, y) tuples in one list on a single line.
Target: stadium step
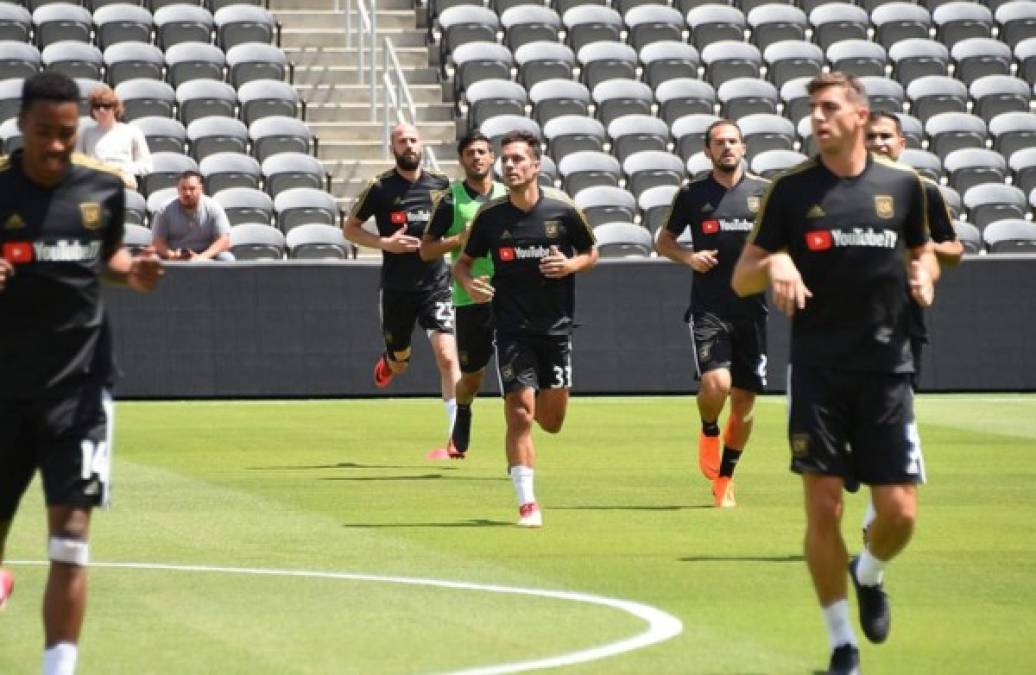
[(326, 57), (376, 150), (320, 114), (337, 92), (335, 37), (310, 19), (362, 129), (278, 6)]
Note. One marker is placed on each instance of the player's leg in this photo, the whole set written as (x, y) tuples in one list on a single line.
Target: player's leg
[(435, 316), (398, 316), (712, 358), (17, 465), (64, 599), (554, 359), (518, 378), (474, 327)]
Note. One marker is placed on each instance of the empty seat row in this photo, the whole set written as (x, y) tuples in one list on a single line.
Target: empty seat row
[(258, 241)]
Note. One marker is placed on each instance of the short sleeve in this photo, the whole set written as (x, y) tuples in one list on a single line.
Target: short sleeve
[(220, 222), (581, 233), (915, 228), (365, 203), (478, 242), (159, 224), (771, 231), (678, 217), (940, 223), (115, 205), (442, 216)]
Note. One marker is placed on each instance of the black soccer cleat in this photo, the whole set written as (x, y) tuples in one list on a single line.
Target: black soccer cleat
[(461, 435), (845, 660), (875, 611)]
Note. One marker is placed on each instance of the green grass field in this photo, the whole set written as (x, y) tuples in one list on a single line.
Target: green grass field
[(343, 487)]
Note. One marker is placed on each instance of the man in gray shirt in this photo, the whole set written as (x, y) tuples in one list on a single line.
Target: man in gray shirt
[(193, 226)]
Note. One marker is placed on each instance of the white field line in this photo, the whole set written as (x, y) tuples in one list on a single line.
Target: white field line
[(661, 625)]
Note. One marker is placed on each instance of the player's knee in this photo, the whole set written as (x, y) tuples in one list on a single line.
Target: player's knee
[(518, 416), (68, 550), (714, 385), (551, 422), (899, 514)]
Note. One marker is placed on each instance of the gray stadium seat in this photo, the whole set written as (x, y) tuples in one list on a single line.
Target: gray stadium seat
[(538, 61), (650, 168), (61, 21), (263, 98), (769, 163), (1013, 131), (995, 95), (698, 165), (653, 23), (994, 201), (715, 23), (615, 98), (934, 94), (257, 61), (684, 96), (204, 98), (10, 97), (765, 131), (495, 128), (897, 21), (622, 240), (136, 237), (209, 135), (1025, 54), (806, 143), (15, 22), (606, 204), (488, 98), (73, 58), (727, 60), (316, 241), (298, 206), (654, 204), (188, 61), (636, 133), (527, 23), (182, 23), (18, 59), (837, 21), (925, 163), (1023, 167), (136, 208), (1010, 236), (476, 61), (604, 60), (558, 97), (274, 134), (913, 129), (10, 136), (746, 96), (245, 205), (580, 170), (689, 132), (465, 23), (774, 22), (953, 201), (668, 60), (859, 57), (573, 133), (586, 24), (143, 97), (122, 22), (969, 236), (131, 60), (287, 170), (238, 24), (162, 133), (1017, 21), (166, 168), (790, 59), (956, 21), (256, 241), (978, 57), (884, 93), (917, 57), (795, 98), (158, 199), (950, 131), (968, 167)]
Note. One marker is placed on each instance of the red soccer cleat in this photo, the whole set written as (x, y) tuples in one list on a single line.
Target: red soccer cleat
[(6, 586), (382, 373)]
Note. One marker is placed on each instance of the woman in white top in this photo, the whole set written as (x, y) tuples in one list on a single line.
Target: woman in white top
[(113, 142)]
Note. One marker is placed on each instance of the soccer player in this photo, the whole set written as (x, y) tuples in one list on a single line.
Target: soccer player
[(448, 231), (61, 228), (837, 239), (412, 290), (537, 240), (728, 333)]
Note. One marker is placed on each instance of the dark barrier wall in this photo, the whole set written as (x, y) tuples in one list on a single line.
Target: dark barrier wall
[(280, 329)]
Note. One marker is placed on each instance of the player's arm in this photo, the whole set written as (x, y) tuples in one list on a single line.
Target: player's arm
[(479, 288), (221, 225), (947, 248), (556, 264), (6, 272), (433, 243), (398, 242), (676, 221)]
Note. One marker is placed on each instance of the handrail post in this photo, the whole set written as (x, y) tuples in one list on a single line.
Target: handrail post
[(348, 22), (374, 60)]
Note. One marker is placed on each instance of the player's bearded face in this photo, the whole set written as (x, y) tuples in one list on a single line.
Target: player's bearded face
[(725, 149), (407, 149), (49, 137), (477, 160)]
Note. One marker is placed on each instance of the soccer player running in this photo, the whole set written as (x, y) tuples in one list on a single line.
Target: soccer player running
[(61, 228), (728, 333), (412, 290), (537, 240), (473, 321), (837, 239)]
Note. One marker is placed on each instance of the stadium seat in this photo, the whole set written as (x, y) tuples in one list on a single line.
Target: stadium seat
[(182, 23), (953, 201), (136, 208), (566, 134), (654, 204), (715, 23), (934, 94), (622, 240), (10, 97), (977, 57), (258, 61), (918, 57), (1017, 21), (15, 22), (158, 199), (562, 6), (73, 58), (956, 21), (913, 129), (270, 135), (488, 98), (1025, 54), (925, 163), (766, 131), (806, 143), (245, 205), (476, 61), (995, 95), (746, 96), (950, 131), (606, 204), (527, 23), (636, 133), (994, 201), (969, 236), (194, 61), (769, 163), (603, 61), (586, 24), (795, 99), (143, 97), (791, 59), (238, 24), (652, 23), (298, 206), (461, 24), (1013, 131), (689, 132), (884, 93), (776, 22), (727, 60), (837, 21), (859, 57), (10, 136), (287, 170), (18, 59), (684, 96), (548, 172), (166, 168), (557, 98), (216, 133), (1010, 236), (224, 170), (131, 60), (316, 241), (968, 167), (624, 6), (1023, 168), (204, 98), (122, 22), (495, 127), (650, 168), (668, 60), (586, 168), (264, 98), (256, 241), (618, 97), (897, 21), (61, 21), (162, 134), (136, 237), (538, 61), (698, 165)]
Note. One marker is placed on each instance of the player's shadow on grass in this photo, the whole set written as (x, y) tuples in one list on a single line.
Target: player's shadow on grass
[(743, 558), (340, 465), (632, 507), (426, 476), (474, 522)]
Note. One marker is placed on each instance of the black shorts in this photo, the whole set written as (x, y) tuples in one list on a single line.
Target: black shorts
[(916, 348), (534, 362), (859, 426), (737, 345), (474, 336), (400, 310), (67, 436)]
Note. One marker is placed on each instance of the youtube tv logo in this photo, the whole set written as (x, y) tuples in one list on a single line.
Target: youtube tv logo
[(506, 253), (710, 226), (818, 240), (398, 217), (18, 252)]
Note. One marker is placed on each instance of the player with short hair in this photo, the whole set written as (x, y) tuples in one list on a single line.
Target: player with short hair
[(447, 232), (831, 240), (61, 229), (412, 290), (537, 239), (728, 333)]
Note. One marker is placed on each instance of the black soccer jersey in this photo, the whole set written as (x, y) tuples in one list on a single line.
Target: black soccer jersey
[(52, 325), (525, 301), (394, 201), (940, 225), (719, 219), (847, 237)]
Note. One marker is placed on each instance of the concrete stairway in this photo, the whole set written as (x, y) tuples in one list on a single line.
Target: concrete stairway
[(339, 108)]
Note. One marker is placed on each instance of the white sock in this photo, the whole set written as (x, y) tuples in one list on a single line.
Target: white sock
[(839, 628), (60, 659), (871, 514), (869, 570), (451, 413), (521, 476)]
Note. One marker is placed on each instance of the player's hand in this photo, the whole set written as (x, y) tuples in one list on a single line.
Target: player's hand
[(554, 265), (144, 272), (703, 261), (400, 242), (921, 287), (789, 291), (480, 289), (6, 272)]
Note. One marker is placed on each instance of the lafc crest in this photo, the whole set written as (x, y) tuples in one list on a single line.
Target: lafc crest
[(753, 204), (550, 229), (883, 206), (91, 214)]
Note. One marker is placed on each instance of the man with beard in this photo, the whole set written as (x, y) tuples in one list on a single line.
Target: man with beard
[(728, 333), (412, 290), (538, 240), (61, 229), (193, 226), (448, 231)]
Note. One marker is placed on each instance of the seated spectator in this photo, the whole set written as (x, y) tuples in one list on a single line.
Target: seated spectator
[(112, 141), (193, 226)]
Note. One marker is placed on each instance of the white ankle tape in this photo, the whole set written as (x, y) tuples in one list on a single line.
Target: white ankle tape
[(71, 551)]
